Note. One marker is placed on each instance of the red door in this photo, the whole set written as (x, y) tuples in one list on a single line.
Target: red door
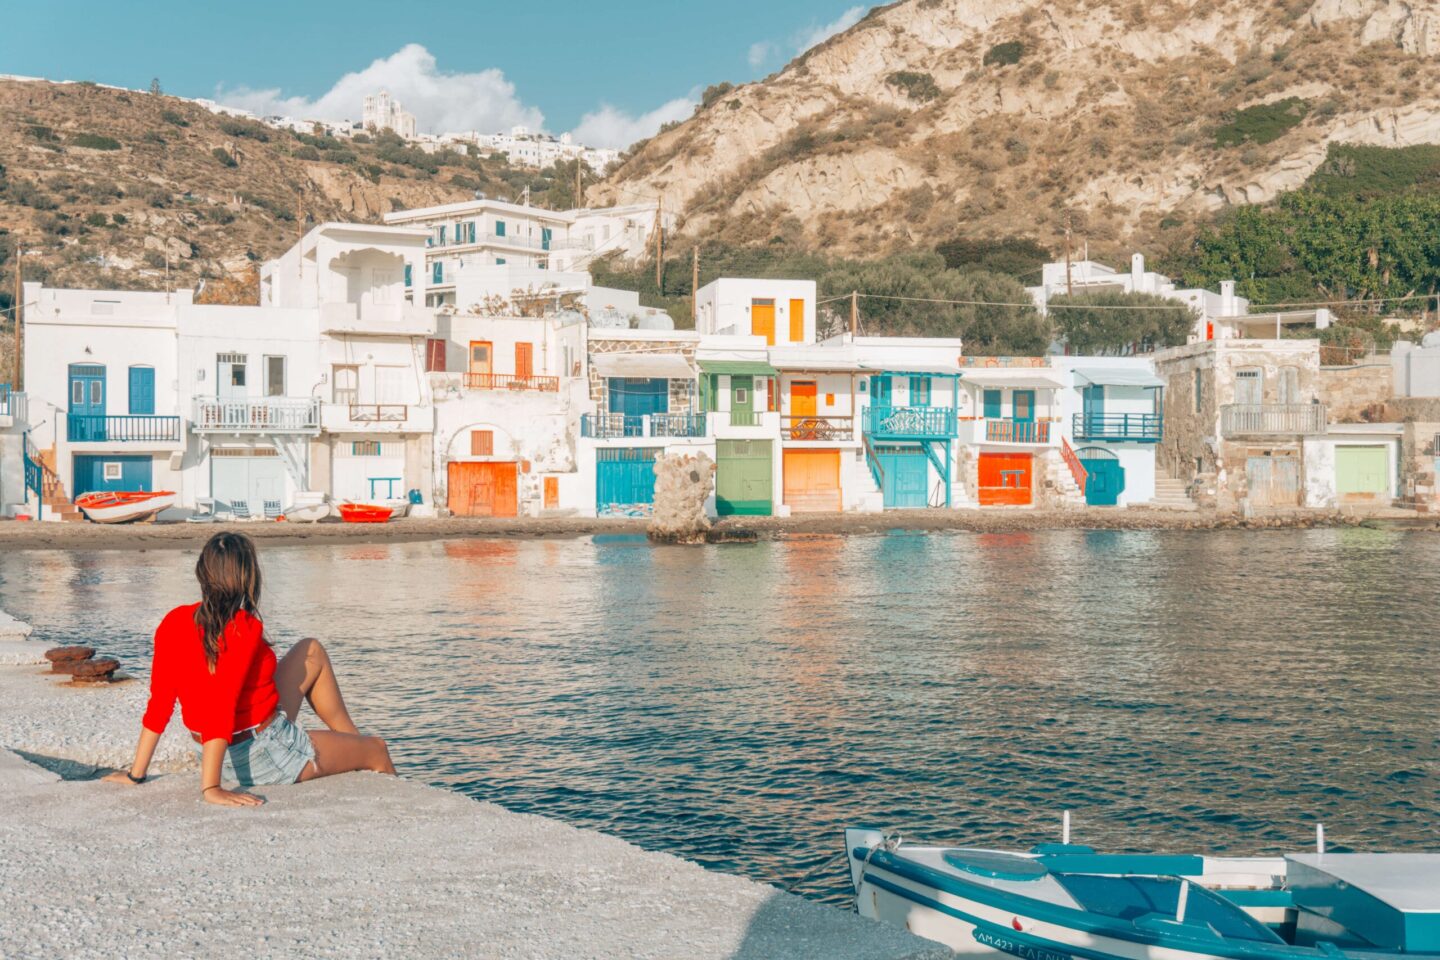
[(1005, 479), (483, 489)]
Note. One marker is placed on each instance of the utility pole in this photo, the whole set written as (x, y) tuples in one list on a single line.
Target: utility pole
[(659, 239), (19, 378), (694, 283), (1069, 288), (579, 191), (854, 315)]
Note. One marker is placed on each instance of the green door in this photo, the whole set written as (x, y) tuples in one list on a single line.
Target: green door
[(743, 484), (1362, 472), (742, 401)]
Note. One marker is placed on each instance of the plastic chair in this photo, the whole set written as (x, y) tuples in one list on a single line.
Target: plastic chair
[(272, 509), (240, 509), (204, 511)]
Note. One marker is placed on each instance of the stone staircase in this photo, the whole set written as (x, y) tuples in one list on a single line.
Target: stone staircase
[(1059, 482), (1170, 494), (58, 505)]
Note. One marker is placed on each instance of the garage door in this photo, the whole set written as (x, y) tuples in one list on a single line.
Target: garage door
[(484, 489), (112, 473), (1104, 477), (625, 480), (905, 476), (812, 481), (1273, 480), (1005, 479), (1362, 473), (743, 478), (243, 477)]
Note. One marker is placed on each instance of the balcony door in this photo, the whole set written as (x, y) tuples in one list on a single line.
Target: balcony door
[(1094, 407), (1024, 404), (1250, 385), (87, 402), (231, 376), (524, 361), (481, 359), (880, 391)]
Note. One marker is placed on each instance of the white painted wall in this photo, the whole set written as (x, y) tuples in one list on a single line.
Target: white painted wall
[(723, 306), (1319, 465)]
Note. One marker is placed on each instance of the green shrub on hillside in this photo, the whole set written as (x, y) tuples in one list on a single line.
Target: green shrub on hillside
[(1146, 321), (245, 128), (1019, 257), (29, 195), (223, 155), (92, 141), (174, 117), (1362, 171), (1004, 54), (97, 219), (917, 86), (1262, 123), (714, 92)]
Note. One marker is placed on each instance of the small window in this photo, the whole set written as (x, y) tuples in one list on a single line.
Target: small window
[(499, 261), (114, 472), (742, 395), (1199, 391), (274, 376), (434, 355), (365, 448), (829, 399), (500, 228), (920, 391), (237, 375), (482, 443)]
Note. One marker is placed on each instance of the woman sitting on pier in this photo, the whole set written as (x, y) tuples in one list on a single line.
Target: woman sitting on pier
[(237, 700)]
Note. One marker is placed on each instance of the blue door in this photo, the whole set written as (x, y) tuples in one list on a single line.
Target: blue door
[(906, 476), (625, 480), (879, 391), (1094, 400), (113, 473), (1024, 403), (1104, 478), (142, 391), (637, 397), (86, 420)]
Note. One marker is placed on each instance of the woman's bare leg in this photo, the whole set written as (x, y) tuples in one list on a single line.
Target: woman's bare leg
[(344, 752), (305, 673)]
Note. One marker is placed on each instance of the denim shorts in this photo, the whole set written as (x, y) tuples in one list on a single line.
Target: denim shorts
[(277, 754)]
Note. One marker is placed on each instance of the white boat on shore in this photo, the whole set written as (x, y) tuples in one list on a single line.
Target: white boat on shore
[(1067, 902), (124, 506), (306, 512)]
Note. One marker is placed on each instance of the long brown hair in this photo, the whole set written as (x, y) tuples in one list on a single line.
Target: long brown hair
[(229, 575)]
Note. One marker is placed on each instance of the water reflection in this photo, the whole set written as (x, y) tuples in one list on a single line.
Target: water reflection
[(739, 704)]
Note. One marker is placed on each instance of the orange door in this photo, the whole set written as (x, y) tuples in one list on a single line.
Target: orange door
[(480, 351), (812, 481), (524, 364), (552, 493), (1005, 479), (802, 409), (483, 489), (762, 320), (797, 321)]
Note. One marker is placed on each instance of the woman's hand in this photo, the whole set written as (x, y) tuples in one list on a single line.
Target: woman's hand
[(119, 776), (229, 798)]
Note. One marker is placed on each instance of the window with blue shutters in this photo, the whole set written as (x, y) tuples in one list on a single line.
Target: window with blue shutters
[(442, 234), (499, 261), (919, 391), (544, 238), (992, 404), (470, 232), (437, 273), (142, 391), (499, 228), (408, 281)]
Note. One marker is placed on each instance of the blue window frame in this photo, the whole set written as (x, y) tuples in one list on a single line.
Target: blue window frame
[(499, 261), (142, 391), (992, 404), (880, 391), (919, 391), (499, 228), (544, 238), (1023, 402), (437, 272), (442, 234), (470, 231), (408, 281)]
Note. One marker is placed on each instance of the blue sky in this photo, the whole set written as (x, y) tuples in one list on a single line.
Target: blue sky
[(611, 72)]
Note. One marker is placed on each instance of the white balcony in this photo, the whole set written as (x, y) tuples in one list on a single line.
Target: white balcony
[(263, 416), (376, 319)]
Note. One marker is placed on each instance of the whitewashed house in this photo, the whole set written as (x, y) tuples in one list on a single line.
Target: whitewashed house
[(1112, 416)]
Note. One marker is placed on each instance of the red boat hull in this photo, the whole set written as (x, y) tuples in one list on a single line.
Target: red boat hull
[(364, 513)]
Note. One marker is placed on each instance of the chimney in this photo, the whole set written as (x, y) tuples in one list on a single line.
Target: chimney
[(1137, 270), (1227, 298)]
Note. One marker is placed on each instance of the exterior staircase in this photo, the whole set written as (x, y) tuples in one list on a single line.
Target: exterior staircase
[(1060, 482), (1171, 494), (58, 505)]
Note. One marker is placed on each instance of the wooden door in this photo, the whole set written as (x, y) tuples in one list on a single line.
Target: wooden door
[(524, 360), (484, 489), (481, 353), (762, 320), (906, 473), (1362, 473), (804, 405), (1005, 479), (797, 321), (743, 477), (812, 481)]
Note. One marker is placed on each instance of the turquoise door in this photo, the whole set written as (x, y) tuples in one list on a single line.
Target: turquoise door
[(906, 476), (1104, 478), (142, 391), (637, 398), (1094, 407), (86, 420), (625, 480), (880, 391), (1024, 404), (113, 473), (992, 404)]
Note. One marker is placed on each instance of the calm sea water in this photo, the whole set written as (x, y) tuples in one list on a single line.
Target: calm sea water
[(739, 705)]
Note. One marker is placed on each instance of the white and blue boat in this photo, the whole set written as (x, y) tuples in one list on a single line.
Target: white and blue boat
[(1064, 901)]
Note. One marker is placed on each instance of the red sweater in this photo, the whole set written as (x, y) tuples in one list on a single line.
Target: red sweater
[(240, 693)]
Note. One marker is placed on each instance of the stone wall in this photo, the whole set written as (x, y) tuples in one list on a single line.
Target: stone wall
[(1357, 394), (683, 393)]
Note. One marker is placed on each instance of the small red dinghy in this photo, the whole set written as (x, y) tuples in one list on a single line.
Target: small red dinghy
[(124, 506), (364, 513)]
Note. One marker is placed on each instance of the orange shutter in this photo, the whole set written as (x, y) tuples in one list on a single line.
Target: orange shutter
[(524, 363), (797, 321), (435, 355), (552, 493), (482, 443)]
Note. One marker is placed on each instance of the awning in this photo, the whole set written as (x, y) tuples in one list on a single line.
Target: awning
[(815, 361), (671, 366), (741, 368), (904, 369), (1117, 377), (1025, 377)]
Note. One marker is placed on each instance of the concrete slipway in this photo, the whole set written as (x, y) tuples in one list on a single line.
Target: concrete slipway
[(352, 866)]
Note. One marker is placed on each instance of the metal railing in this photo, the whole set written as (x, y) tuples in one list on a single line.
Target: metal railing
[(261, 415), (1077, 469), (379, 412), (911, 421), (506, 381), (1017, 431), (817, 428), (1118, 426), (132, 428), (608, 426), (1265, 419)]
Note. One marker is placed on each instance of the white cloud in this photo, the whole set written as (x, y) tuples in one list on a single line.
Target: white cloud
[(611, 127), (817, 35), (441, 101), (760, 53)]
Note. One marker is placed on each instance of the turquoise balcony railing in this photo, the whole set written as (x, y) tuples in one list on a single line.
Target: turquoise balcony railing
[(133, 428), (1139, 427), (609, 426), (911, 422)]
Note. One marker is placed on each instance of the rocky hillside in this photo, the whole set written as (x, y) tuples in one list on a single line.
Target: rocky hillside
[(936, 118), (102, 186)]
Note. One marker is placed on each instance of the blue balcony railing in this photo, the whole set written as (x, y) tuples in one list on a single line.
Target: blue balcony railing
[(1140, 427), (911, 422), (133, 428), (609, 426)]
